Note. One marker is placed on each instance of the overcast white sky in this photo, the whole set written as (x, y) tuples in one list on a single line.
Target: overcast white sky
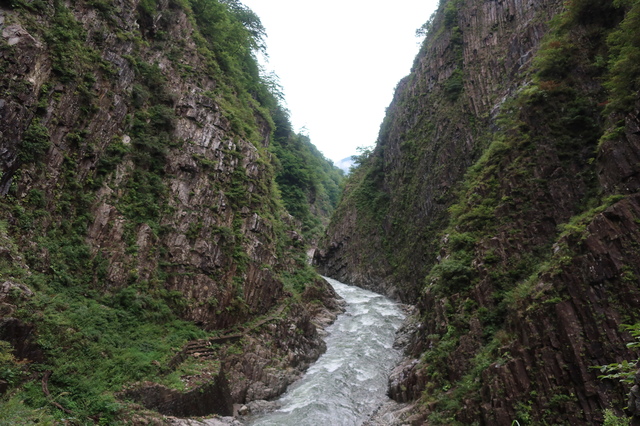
[(339, 62)]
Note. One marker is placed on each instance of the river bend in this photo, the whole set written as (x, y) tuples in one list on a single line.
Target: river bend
[(349, 381)]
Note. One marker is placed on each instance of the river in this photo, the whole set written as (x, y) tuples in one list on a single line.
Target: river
[(349, 381)]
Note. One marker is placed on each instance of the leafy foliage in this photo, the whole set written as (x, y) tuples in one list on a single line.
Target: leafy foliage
[(490, 242), (233, 33), (624, 64), (35, 143), (454, 85), (10, 369), (611, 419), (626, 370), (309, 183), (451, 12), (99, 333), (14, 412), (96, 345), (251, 23), (426, 27)]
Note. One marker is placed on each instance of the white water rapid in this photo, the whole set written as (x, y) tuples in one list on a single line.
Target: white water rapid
[(349, 381)]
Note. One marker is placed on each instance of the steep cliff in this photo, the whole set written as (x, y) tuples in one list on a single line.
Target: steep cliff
[(475, 56), (501, 198), (139, 204)]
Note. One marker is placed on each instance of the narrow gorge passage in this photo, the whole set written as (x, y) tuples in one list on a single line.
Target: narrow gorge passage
[(349, 381)]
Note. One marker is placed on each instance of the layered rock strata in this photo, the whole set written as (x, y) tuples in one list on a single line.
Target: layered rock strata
[(502, 200), (136, 173)]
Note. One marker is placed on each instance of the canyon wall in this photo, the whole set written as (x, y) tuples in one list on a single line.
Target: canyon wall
[(501, 199), (138, 195), (475, 56)]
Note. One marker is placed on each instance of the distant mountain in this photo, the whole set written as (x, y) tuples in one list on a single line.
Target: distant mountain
[(345, 164)]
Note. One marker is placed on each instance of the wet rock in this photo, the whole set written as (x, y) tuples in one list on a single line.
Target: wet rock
[(218, 421), (211, 398), (408, 336), (262, 407), (406, 381), (276, 353), (254, 375), (392, 413)]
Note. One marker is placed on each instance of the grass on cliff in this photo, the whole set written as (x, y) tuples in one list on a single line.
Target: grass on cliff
[(96, 345), (310, 185), (97, 336), (94, 342), (556, 112)]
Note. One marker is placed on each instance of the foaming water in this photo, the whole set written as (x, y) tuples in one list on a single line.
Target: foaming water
[(349, 381)]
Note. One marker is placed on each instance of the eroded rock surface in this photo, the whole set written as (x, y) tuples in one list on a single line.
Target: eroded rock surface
[(134, 159), (475, 203)]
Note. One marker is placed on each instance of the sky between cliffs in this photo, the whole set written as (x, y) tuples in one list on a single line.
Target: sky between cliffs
[(339, 62)]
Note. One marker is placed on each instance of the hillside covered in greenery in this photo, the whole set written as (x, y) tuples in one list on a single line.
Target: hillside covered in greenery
[(502, 197), (155, 203), (310, 184)]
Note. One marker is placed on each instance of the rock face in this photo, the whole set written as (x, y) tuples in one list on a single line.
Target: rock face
[(136, 175), (205, 400), (163, 163), (493, 42), (502, 198)]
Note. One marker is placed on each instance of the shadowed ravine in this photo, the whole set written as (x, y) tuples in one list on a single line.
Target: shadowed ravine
[(349, 381)]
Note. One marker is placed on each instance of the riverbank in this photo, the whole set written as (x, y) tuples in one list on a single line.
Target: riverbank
[(350, 379), (254, 362), (346, 370), (402, 408)]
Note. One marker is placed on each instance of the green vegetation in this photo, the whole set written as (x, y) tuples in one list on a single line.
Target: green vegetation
[(392, 190), (624, 371), (454, 85), (426, 27), (104, 312), (310, 184), (14, 412), (296, 282), (95, 346), (611, 419), (624, 59), (504, 234), (72, 58), (557, 111), (151, 139), (450, 12), (94, 341), (11, 370), (369, 196), (35, 143)]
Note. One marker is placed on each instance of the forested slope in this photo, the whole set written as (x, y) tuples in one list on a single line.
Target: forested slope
[(143, 159), (501, 197), (310, 184)]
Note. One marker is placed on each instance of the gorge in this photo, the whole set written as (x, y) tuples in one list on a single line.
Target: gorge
[(157, 208), (502, 197), (349, 381)]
